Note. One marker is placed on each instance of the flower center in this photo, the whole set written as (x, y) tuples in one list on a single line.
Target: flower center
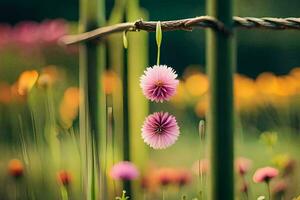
[(159, 130), (159, 84)]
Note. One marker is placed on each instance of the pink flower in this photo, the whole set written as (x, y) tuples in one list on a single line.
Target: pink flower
[(160, 130), (280, 188), (245, 187), (5, 34), (124, 171), (159, 83), (52, 30), (243, 165), (265, 174), (26, 33)]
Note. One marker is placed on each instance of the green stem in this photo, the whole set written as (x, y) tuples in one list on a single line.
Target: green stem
[(269, 190), (220, 64), (126, 117), (137, 60), (158, 55), (92, 121), (64, 193)]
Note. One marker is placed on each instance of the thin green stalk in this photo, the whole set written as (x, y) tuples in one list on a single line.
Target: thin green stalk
[(269, 189), (64, 193), (110, 152), (137, 61), (92, 121), (158, 56), (126, 117), (202, 150), (23, 142), (116, 63), (220, 64)]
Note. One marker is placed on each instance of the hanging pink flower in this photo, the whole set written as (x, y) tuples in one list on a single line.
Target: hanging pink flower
[(265, 174), (160, 130), (159, 83), (124, 171)]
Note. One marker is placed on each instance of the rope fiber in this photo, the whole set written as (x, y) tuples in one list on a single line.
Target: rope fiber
[(186, 25)]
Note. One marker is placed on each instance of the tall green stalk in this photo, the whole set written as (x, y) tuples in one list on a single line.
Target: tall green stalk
[(92, 121), (219, 56), (137, 61), (116, 63), (120, 104), (126, 119)]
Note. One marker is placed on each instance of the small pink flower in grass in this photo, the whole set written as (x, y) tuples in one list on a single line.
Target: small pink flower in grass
[(265, 174), (280, 188), (124, 171), (159, 83), (245, 188), (243, 165), (160, 130)]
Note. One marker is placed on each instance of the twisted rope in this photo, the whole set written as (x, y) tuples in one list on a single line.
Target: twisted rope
[(186, 25)]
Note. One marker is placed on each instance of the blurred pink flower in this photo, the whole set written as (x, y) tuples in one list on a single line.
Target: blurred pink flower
[(124, 171), (245, 187), (159, 83), (52, 30), (264, 174), (243, 165), (26, 33), (160, 130), (5, 34), (280, 188)]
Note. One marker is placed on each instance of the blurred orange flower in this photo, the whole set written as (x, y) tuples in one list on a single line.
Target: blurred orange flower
[(245, 92), (110, 82), (64, 177), (5, 94), (15, 168), (266, 83), (26, 81), (49, 75), (69, 105), (202, 107), (179, 97), (183, 177), (197, 84)]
